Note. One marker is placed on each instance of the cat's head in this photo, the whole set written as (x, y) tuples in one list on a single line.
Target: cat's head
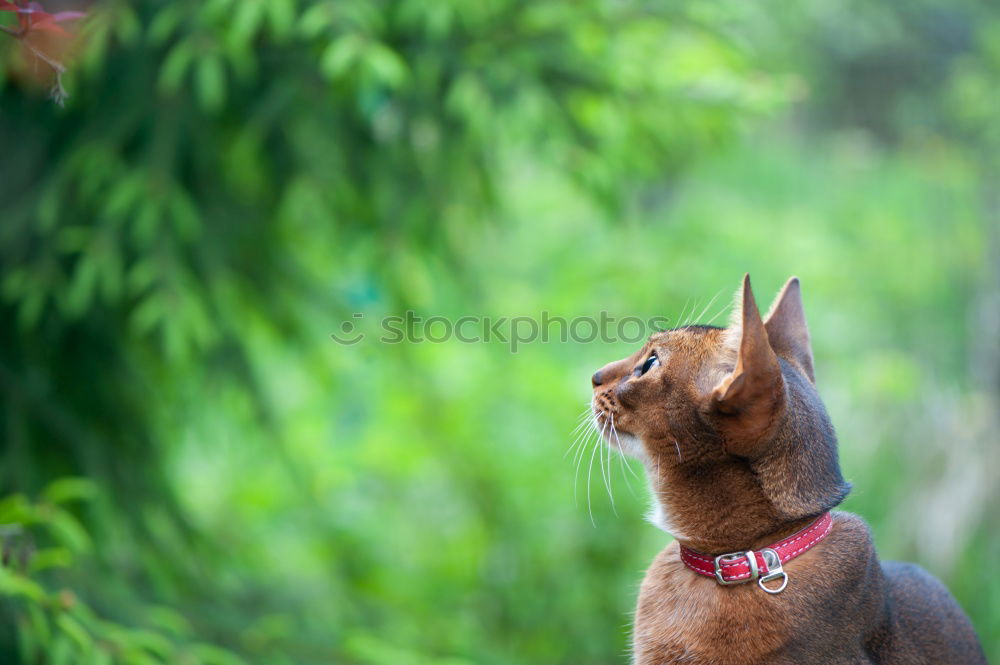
[(712, 410)]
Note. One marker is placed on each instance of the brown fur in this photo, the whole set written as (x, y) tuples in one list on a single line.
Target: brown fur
[(740, 453)]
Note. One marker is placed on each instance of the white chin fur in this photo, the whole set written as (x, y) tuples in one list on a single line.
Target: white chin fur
[(631, 445), (659, 518), (657, 515)]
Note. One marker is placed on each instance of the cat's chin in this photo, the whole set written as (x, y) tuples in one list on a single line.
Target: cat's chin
[(624, 442), (629, 444)]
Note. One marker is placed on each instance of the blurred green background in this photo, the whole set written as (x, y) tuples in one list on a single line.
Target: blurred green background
[(202, 475)]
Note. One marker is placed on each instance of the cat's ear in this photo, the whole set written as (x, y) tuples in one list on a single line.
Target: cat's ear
[(747, 399), (787, 329)]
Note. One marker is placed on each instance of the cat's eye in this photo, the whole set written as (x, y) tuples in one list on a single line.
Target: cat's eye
[(651, 362)]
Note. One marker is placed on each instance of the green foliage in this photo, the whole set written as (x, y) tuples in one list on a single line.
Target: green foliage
[(209, 478), (53, 624)]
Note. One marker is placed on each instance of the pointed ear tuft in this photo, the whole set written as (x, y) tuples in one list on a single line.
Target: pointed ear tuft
[(748, 399), (787, 329)]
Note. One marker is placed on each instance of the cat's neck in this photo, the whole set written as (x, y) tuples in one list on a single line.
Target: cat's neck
[(718, 508)]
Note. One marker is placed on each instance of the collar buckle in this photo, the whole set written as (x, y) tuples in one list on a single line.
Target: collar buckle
[(774, 571), (728, 569), (732, 556)]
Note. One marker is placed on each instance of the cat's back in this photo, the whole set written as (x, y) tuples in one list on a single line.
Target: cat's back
[(925, 624)]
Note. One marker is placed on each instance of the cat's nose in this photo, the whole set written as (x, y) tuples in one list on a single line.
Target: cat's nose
[(596, 379)]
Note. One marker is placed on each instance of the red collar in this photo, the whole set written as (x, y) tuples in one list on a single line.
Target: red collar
[(764, 565)]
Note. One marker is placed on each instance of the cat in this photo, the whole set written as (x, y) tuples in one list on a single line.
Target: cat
[(742, 463)]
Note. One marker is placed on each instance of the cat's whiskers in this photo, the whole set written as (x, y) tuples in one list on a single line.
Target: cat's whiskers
[(611, 452), (580, 454), (581, 451), (625, 461), (621, 458), (581, 438), (584, 416), (581, 443), (584, 436), (584, 444), (579, 430), (681, 317), (687, 319), (581, 422), (606, 471), (724, 308), (590, 471), (594, 431), (714, 298)]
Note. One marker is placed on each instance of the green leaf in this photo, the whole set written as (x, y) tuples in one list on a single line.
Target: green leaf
[(341, 55), (169, 620), (100, 656), (127, 26), (185, 214), (13, 584), (33, 633), (149, 313), (77, 633), (175, 67), (61, 651), (213, 655), (64, 490), (27, 642), (132, 656), (385, 64), (246, 20), (146, 223), (49, 207), (74, 238), (32, 306), (282, 17), (315, 19), (68, 530), (81, 290), (51, 557), (165, 23), (39, 622), (16, 509), (151, 641), (126, 193), (210, 83), (141, 276)]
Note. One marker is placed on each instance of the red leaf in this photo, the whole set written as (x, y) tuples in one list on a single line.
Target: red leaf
[(38, 12), (34, 18), (67, 16), (47, 24)]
